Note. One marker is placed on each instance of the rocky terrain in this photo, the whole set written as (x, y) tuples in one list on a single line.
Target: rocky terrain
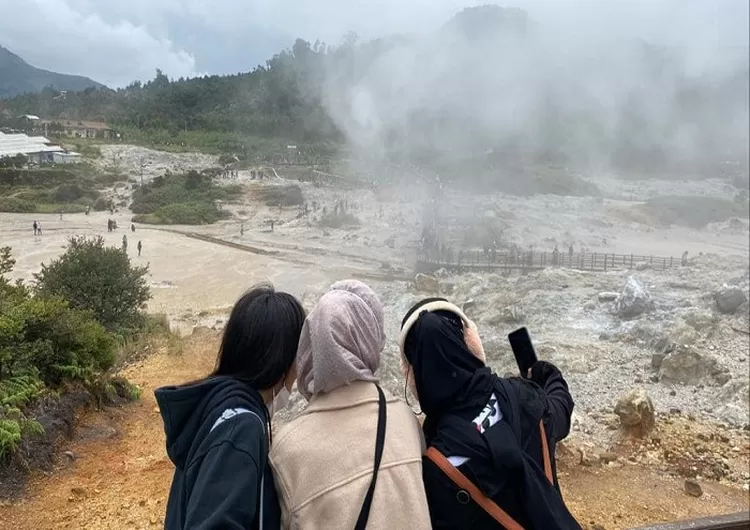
[(657, 361)]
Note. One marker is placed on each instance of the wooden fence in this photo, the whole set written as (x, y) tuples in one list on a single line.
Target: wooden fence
[(479, 261)]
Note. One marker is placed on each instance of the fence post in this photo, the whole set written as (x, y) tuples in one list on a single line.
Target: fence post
[(605, 263), (670, 262), (631, 261)]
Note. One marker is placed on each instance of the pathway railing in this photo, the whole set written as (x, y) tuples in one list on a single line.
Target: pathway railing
[(479, 261)]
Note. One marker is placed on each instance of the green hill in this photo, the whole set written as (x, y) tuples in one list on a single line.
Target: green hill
[(17, 77)]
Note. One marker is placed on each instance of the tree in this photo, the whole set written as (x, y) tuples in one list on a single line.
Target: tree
[(99, 279), (6, 260)]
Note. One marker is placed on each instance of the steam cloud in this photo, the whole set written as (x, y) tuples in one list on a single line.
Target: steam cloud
[(666, 92)]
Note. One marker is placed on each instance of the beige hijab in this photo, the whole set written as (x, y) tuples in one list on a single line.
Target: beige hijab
[(341, 339)]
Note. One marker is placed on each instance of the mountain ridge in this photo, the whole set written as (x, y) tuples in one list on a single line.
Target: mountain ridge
[(18, 77)]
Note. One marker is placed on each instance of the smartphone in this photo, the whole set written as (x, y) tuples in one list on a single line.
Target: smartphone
[(523, 350)]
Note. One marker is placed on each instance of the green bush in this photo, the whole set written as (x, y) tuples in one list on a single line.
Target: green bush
[(188, 198), (99, 279), (68, 193), (45, 343), (101, 204), (14, 205), (10, 438), (189, 213), (338, 220)]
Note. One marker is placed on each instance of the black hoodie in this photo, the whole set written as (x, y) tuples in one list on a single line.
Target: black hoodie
[(217, 480), (506, 460)]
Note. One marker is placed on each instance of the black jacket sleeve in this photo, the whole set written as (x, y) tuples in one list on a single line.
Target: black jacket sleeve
[(226, 489), (547, 376)]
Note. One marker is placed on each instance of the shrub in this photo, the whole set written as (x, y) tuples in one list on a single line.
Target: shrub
[(338, 220), (10, 438), (67, 193), (54, 342), (14, 205), (180, 199), (282, 195), (99, 279), (101, 204)]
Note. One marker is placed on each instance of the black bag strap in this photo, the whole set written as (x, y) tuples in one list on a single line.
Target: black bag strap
[(379, 443)]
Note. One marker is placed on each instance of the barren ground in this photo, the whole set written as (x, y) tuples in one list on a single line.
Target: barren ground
[(121, 474)]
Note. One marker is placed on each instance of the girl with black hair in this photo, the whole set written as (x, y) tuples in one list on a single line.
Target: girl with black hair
[(218, 429)]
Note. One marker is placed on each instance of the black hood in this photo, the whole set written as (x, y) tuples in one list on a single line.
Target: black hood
[(447, 375), (189, 411)]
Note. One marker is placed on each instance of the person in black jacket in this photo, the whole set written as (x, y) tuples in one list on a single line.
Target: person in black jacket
[(491, 441), (218, 429)]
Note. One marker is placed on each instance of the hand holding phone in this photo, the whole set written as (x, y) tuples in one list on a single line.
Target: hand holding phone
[(523, 350)]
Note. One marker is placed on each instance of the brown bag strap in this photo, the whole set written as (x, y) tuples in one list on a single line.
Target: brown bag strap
[(487, 504), (545, 454)]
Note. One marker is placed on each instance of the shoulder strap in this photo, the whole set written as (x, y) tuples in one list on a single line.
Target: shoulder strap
[(545, 454), (379, 443), (229, 414), (458, 478)]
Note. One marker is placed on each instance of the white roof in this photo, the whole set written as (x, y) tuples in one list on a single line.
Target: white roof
[(14, 144)]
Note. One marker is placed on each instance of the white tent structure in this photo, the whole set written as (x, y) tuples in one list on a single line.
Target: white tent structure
[(37, 149)]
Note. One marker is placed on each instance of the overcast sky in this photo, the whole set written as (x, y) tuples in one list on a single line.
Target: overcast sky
[(118, 41)]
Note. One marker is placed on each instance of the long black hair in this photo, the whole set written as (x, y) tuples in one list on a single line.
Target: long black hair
[(261, 336)]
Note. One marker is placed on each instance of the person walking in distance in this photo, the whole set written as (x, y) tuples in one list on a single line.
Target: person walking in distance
[(124, 243), (39, 229), (140, 248), (35, 226)]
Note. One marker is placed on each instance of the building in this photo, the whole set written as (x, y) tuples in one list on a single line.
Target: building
[(66, 158), (78, 128), (38, 149)]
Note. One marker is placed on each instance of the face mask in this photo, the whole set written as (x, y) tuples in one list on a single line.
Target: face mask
[(280, 400)]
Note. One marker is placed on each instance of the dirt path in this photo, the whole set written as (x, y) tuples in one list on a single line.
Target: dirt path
[(121, 475)]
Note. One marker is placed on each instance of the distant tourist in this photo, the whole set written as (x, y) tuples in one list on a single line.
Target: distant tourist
[(124, 243), (35, 226), (39, 229), (140, 247), (132, 227)]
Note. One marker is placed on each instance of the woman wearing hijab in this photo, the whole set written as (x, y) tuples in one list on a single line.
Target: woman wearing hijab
[(490, 441), (353, 458), (218, 428)]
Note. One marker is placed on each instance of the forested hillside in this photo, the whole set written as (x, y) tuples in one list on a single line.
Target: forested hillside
[(488, 89)]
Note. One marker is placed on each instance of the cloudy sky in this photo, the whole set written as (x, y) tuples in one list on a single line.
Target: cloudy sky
[(118, 41)]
